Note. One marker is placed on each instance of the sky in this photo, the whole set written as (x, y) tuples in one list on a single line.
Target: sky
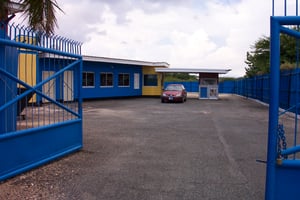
[(184, 33)]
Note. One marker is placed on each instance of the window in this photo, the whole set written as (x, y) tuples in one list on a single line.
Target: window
[(150, 80), (106, 79), (88, 79), (123, 80), (208, 81)]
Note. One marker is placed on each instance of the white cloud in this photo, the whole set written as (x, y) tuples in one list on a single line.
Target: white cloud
[(184, 33)]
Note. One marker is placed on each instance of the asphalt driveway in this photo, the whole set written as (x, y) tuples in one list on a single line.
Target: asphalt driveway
[(139, 148)]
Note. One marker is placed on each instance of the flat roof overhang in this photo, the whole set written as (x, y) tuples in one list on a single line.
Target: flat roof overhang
[(124, 61), (192, 70)]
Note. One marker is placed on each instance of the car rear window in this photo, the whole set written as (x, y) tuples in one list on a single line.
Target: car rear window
[(174, 87)]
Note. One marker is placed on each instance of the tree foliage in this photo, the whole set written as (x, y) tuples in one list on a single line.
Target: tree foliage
[(258, 59), (223, 79), (179, 77), (40, 13)]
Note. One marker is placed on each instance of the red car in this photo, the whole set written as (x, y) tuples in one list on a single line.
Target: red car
[(174, 93)]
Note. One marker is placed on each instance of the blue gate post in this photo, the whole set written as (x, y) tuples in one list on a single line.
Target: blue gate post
[(8, 88), (273, 109), (2, 84)]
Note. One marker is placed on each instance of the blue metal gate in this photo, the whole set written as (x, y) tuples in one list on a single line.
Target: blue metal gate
[(283, 167), (40, 98)]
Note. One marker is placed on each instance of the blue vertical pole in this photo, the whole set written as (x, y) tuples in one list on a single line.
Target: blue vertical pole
[(273, 109), (297, 7), (8, 87), (273, 7), (79, 85), (297, 92), (297, 80), (285, 8), (2, 86)]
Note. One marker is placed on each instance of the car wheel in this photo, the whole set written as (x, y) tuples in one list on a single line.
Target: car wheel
[(182, 101), (162, 101)]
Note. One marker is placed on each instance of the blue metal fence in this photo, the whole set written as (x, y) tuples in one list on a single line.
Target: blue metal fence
[(35, 125), (190, 86), (258, 88)]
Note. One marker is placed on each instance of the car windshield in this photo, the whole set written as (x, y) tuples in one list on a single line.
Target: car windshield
[(174, 87)]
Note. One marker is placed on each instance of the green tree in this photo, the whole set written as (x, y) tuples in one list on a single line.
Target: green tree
[(258, 60), (40, 13), (180, 77), (223, 79), (287, 49)]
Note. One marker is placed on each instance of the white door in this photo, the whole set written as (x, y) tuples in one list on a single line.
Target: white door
[(136, 81), (68, 84), (49, 87)]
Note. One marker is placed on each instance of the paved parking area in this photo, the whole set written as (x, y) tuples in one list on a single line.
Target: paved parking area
[(139, 148)]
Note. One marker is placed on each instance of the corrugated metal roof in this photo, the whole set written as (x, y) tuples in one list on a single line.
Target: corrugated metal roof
[(192, 70), (124, 61)]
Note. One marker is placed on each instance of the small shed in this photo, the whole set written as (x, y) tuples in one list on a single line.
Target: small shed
[(208, 79)]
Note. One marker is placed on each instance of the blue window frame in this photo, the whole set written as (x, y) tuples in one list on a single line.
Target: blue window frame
[(106, 79), (123, 80), (88, 79)]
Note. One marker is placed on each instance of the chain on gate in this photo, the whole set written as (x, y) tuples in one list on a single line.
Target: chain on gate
[(281, 142)]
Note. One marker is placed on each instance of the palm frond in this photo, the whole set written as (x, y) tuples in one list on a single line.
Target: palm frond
[(3, 9), (41, 14)]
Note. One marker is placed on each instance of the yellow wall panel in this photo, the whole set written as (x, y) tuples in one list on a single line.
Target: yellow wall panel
[(152, 90), (27, 68), (26, 39), (27, 64)]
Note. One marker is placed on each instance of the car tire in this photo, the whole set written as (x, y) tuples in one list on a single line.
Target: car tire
[(182, 101), (162, 101)]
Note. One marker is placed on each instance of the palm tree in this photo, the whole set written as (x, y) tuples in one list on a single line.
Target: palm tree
[(40, 13)]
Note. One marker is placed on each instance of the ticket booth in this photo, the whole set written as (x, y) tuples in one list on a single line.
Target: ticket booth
[(208, 85)]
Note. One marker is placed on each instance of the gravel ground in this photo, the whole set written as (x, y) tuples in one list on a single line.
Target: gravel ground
[(143, 149)]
